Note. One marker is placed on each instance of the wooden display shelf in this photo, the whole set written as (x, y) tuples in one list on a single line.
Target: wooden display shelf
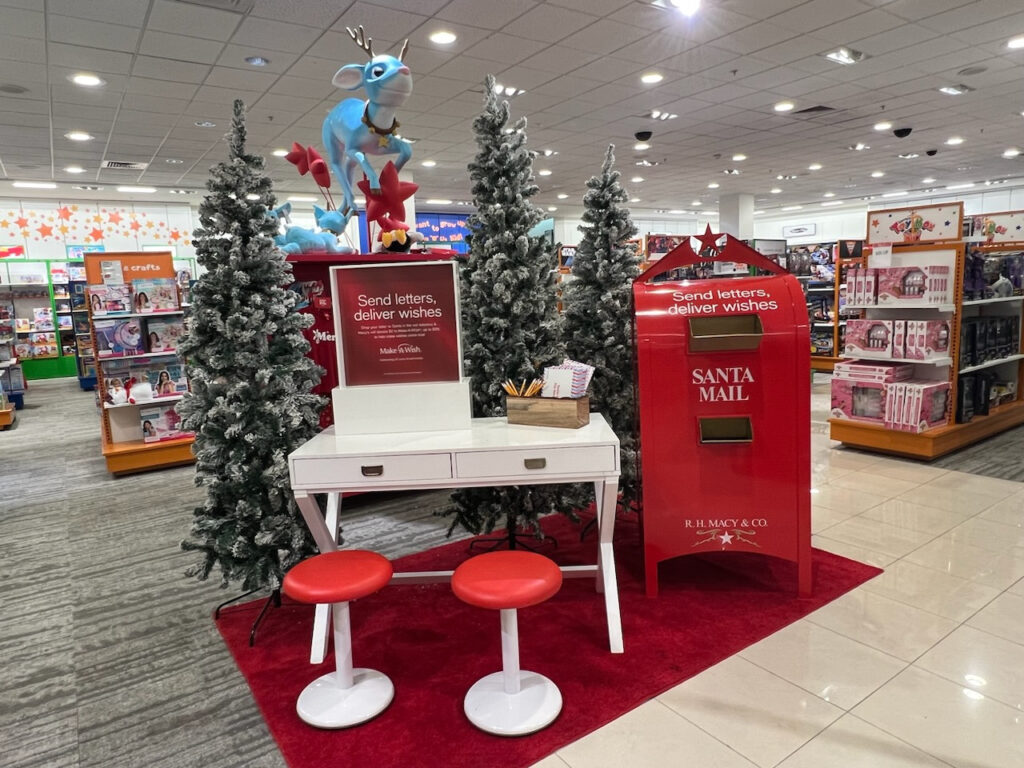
[(139, 456), (823, 363), (933, 443), (6, 417)]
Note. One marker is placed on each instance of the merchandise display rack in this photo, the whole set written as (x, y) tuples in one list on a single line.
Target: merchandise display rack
[(839, 307), (941, 440), (123, 452)]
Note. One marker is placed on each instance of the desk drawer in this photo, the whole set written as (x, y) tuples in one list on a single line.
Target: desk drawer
[(368, 470), (539, 462)]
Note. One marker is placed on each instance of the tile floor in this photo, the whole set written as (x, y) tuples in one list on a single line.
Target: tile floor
[(922, 666)]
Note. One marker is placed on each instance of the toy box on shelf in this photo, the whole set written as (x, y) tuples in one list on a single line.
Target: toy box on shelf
[(954, 318), (134, 329)]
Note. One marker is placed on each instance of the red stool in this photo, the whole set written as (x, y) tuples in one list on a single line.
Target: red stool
[(512, 702), (346, 696)]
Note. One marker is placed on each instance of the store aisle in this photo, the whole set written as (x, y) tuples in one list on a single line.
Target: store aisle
[(112, 659)]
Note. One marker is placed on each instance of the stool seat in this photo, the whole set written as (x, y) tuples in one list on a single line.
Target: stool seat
[(337, 577), (511, 579)]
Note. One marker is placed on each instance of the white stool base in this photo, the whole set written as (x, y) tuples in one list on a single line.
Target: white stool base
[(324, 704), (490, 709)]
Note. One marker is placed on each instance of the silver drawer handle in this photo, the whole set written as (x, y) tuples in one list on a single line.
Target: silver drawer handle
[(375, 471), (535, 463)]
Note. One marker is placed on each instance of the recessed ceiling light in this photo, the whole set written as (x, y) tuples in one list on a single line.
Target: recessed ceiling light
[(137, 190), (955, 90), (86, 79), (205, 124), (562, 196), (758, 213), (868, 197), (785, 177), (280, 152), (637, 179), (650, 78), (13, 89), (860, 146), (814, 167), (74, 169), (550, 152), (968, 185), (507, 90), (1015, 42), (829, 194), (34, 185), (544, 172), (739, 157), (1011, 152), (792, 208), (908, 155), (443, 37), (829, 203), (714, 185), (640, 146), (686, 7), (928, 180), (173, 161), (252, 196), (256, 61), (438, 201), (634, 199), (677, 211), (181, 191), (775, 190), (731, 171), (845, 56), (894, 194), (877, 174), (883, 126), (302, 199), (552, 207), (87, 187), (696, 203), (784, 106), (657, 114), (78, 136), (954, 141), (428, 163)]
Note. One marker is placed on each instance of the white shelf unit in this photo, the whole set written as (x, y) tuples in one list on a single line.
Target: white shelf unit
[(992, 363), (997, 300), (144, 403)]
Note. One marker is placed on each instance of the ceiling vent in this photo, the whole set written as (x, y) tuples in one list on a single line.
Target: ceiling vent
[(231, 6), (814, 110), (121, 165)]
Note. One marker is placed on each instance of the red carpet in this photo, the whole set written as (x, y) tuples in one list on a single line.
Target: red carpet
[(434, 647)]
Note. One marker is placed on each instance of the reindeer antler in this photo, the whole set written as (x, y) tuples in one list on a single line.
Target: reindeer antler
[(405, 47), (364, 42)]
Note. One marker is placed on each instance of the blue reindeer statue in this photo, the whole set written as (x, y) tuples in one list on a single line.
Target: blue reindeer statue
[(357, 128), (302, 240)]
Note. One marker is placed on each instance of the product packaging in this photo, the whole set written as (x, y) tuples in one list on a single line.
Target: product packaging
[(869, 338), (927, 339), (858, 400), (908, 286), (878, 372)]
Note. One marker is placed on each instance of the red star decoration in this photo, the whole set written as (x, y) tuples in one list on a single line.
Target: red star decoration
[(96, 234), (389, 201), (45, 231), (115, 218), (709, 240), (175, 234), (874, 222), (22, 222), (135, 226), (64, 213)]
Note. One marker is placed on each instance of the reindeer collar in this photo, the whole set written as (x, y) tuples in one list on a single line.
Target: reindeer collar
[(375, 129)]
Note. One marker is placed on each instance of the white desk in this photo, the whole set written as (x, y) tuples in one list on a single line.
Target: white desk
[(490, 452)]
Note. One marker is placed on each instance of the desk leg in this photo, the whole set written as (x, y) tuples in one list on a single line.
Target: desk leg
[(325, 533), (606, 495)]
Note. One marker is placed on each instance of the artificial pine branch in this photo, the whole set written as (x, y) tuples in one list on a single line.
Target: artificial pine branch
[(251, 402), (510, 323), (598, 309)]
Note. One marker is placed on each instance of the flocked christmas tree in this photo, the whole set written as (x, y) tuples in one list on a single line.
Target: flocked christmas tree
[(251, 402), (598, 310), (510, 323)]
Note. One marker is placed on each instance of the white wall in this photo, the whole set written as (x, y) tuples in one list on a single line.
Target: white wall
[(567, 232)]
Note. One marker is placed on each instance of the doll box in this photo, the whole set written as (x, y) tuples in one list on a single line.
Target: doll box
[(924, 285), (927, 339), (858, 400), (869, 338), (882, 373)]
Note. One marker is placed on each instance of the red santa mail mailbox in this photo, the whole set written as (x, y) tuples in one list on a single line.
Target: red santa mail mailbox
[(724, 397)]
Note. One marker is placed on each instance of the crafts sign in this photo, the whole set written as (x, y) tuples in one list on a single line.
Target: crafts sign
[(397, 324)]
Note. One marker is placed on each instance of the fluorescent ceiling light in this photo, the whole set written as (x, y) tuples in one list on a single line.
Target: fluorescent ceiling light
[(883, 126), (714, 185), (180, 191), (78, 136), (86, 187), (137, 190), (1016, 42), (549, 152), (507, 90), (677, 211), (87, 79), (860, 146), (793, 208), (955, 90), (784, 106), (634, 199), (428, 163), (696, 203), (968, 185), (829, 203), (877, 174), (1011, 152), (829, 194), (814, 167), (739, 157), (438, 201), (34, 185), (74, 169), (544, 172), (657, 114), (775, 190), (686, 7), (845, 56), (954, 141), (443, 37), (637, 179), (562, 196), (894, 194), (279, 152), (758, 213), (173, 161), (552, 207), (908, 156), (650, 78), (256, 61), (302, 199), (205, 124), (928, 180), (640, 146)]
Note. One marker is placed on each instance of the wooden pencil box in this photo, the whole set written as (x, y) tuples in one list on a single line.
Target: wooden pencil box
[(565, 412)]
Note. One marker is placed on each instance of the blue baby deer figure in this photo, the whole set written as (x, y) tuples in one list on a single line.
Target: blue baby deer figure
[(357, 128)]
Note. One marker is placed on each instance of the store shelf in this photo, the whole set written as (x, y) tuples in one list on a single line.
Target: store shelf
[(932, 444), (991, 363), (939, 307), (9, 363), (140, 356), (823, 289), (144, 403), (936, 361), (118, 315), (139, 456), (823, 363), (999, 300)]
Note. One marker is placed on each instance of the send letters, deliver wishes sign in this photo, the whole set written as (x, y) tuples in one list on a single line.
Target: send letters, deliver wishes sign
[(397, 323)]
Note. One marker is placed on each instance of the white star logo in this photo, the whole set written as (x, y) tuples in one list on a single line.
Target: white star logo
[(726, 538)]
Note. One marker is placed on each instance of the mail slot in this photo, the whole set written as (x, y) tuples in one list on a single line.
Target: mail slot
[(724, 399)]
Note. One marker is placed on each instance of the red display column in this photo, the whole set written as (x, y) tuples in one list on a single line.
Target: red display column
[(724, 397)]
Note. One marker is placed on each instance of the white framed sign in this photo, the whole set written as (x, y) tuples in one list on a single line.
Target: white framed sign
[(800, 230)]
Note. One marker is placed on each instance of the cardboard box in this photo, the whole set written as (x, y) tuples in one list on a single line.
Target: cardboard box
[(878, 372), (859, 400), (927, 339), (869, 338), (909, 286)]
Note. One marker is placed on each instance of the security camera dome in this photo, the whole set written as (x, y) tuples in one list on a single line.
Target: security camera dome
[(643, 135), (902, 133), (931, 152)]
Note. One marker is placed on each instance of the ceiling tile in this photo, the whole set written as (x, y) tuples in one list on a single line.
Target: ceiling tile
[(311, 13), (192, 20), (169, 69), (23, 23), (22, 49), (92, 34), (240, 79), (478, 14), (506, 49), (168, 46), (95, 60), (263, 35), (549, 23), (130, 12), (277, 62)]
